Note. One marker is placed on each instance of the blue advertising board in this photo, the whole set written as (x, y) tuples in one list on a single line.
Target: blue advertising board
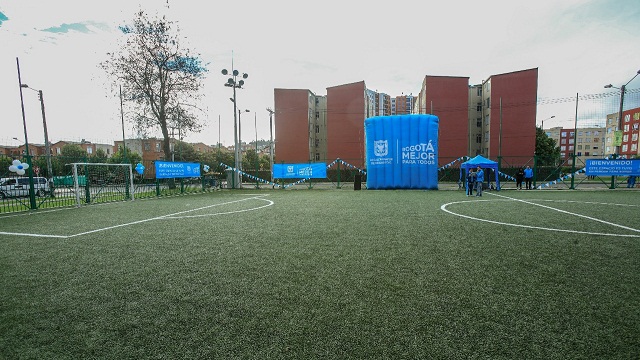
[(300, 171), (618, 167), (402, 152), (170, 170)]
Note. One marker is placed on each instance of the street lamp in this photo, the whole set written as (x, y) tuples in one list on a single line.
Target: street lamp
[(47, 145), (234, 83), (622, 90), (240, 135), (542, 126)]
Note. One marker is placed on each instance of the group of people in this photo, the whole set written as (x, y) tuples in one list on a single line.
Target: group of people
[(475, 180), (525, 175)]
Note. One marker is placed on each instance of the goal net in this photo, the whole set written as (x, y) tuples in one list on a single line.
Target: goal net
[(99, 182)]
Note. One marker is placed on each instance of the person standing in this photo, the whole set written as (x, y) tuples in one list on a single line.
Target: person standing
[(479, 181), (528, 177), (631, 181), (471, 181), (519, 178)]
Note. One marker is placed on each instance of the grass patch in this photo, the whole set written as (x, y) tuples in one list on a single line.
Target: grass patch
[(323, 274)]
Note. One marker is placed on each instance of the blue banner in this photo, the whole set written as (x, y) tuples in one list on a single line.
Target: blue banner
[(620, 167), (170, 170), (298, 171)]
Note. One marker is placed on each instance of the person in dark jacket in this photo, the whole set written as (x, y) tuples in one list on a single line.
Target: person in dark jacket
[(471, 181), (519, 178)]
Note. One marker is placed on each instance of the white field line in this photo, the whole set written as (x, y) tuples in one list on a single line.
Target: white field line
[(170, 216), (444, 208), (570, 213)]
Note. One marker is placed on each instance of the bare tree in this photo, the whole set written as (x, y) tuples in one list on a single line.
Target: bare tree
[(158, 76)]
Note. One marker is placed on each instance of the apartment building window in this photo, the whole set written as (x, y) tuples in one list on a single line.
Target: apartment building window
[(317, 156), (317, 143), (488, 103), (479, 122), (317, 129), (579, 140), (479, 107), (596, 140), (563, 141), (634, 137), (317, 114), (634, 147), (627, 118), (570, 147), (626, 128), (157, 147), (563, 148), (147, 147), (570, 141), (625, 138), (587, 147), (478, 139), (479, 93), (563, 134), (58, 151), (586, 153), (89, 150), (636, 126), (579, 147), (486, 136), (624, 148), (579, 153)]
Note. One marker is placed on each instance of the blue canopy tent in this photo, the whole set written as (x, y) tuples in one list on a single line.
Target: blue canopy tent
[(484, 163)]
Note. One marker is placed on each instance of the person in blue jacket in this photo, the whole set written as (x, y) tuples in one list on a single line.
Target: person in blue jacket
[(528, 177), (479, 181)]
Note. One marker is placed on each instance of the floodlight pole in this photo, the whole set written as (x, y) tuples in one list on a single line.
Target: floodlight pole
[(234, 83), (271, 142), (618, 147)]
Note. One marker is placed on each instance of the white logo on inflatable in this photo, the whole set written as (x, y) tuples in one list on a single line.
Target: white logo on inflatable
[(380, 148), (423, 154)]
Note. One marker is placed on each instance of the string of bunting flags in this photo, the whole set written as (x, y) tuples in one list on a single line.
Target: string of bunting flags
[(461, 159), (338, 160), (252, 177), (561, 179), (506, 176)]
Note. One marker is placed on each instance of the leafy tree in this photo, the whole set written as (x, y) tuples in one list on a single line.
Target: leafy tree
[(73, 153), (99, 156), (158, 76), (132, 158), (250, 160), (185, 152), (546, 149)]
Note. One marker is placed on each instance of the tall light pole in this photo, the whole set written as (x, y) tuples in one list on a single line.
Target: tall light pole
[(234, 83), (240, 135), (618, 146), (271, 142), (124, 144), (622, 91), (32, 196), (549, 118), (47, 145)]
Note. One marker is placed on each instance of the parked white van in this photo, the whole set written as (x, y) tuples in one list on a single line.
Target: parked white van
[(19, 187)]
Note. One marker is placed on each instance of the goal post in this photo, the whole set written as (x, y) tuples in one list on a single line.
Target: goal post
[(102, 182)]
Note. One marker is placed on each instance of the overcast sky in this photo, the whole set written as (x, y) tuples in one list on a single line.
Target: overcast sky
[(577, 45)]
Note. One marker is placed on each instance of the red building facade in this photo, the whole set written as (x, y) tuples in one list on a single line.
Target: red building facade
[(447, 98), (346, 107)]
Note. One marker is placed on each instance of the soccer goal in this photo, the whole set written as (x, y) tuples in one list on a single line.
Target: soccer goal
[(99, 182)]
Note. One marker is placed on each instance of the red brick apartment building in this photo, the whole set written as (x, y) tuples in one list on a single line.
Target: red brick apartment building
[(495, 118)]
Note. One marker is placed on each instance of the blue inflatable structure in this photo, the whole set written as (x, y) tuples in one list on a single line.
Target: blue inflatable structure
[(402, 152)]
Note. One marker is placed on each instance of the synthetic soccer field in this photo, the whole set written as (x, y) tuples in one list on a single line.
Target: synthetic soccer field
[(330, 274)]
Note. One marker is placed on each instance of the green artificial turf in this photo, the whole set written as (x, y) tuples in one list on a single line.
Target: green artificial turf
[(326, 274)]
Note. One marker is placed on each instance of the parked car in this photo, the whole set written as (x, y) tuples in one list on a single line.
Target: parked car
[(19, 187)]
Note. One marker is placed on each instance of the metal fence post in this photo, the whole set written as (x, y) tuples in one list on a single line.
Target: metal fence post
[(535, 170)]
